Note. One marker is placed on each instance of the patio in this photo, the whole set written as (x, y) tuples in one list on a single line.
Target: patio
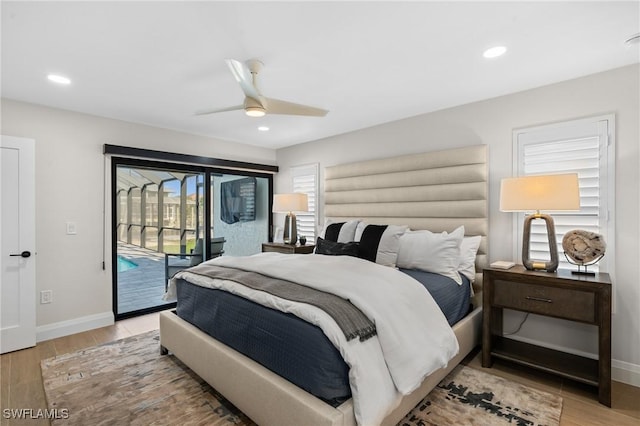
[(143, 285)]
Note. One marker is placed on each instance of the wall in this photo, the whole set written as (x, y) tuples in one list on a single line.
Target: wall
[(243, 238), (492, 122), (70, 186)]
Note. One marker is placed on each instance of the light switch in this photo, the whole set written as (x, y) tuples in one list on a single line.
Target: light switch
[(71, 228)]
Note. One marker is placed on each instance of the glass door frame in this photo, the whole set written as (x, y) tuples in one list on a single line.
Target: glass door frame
[(208, 173)]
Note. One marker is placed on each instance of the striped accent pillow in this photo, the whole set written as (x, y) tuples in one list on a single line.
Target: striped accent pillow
[(340, 232), (379, 243)]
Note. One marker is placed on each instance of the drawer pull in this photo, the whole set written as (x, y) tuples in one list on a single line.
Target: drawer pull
[(538, 299)]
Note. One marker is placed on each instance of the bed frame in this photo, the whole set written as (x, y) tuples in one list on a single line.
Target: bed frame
[(439, 191)]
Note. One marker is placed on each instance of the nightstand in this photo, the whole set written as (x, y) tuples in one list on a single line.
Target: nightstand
[(288, 248), (560, 294)]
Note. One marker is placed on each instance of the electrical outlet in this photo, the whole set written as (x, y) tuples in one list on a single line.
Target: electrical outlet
[(46, 296), (71, 228)]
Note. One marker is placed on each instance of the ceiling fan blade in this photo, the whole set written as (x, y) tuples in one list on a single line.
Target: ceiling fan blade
[(276, 106), (213, 111), (243, 76)]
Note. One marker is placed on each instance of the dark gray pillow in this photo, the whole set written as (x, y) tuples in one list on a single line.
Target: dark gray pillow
[(333, 248)]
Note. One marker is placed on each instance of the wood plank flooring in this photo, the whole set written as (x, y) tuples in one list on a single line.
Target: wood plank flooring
[(21, 382)]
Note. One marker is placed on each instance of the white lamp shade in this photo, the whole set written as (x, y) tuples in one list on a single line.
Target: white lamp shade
[(295, 202), (542, 192)]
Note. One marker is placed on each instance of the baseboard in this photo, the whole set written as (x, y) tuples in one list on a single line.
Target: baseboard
[(76, 325), (625, 372), (621, 371)]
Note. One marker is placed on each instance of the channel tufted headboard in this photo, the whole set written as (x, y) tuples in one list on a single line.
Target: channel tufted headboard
[(437, 191)]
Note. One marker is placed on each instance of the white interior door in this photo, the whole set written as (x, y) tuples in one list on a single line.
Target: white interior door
[(17, 241)]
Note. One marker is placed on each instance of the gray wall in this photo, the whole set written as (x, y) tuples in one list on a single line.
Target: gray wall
[(492, 122)]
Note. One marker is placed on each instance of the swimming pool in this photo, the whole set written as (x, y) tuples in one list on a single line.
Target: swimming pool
[(125, 264)]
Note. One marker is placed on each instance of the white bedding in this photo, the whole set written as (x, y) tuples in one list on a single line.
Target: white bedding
[(414, 338)]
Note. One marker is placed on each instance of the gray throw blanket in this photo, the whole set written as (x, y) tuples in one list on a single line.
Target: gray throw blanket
[(349, 318)]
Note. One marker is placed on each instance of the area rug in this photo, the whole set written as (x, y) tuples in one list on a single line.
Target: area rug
[(471, 397), (129, 382)]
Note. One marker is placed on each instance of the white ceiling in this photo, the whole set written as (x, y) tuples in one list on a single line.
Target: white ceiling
[(367, 62)]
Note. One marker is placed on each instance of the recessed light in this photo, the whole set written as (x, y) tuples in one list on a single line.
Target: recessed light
[(494, 52), (263, 128), (58, 79)]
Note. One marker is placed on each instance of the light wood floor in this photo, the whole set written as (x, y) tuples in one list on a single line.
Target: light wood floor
[(21, 382)]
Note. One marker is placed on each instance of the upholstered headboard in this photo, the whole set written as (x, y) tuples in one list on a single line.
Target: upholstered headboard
[(438, 191)]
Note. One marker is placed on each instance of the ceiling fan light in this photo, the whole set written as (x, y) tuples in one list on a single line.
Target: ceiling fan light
[(254, 111), (494, 52)]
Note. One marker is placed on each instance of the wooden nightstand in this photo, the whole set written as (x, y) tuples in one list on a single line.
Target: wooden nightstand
[(288, 248), (581, 298)]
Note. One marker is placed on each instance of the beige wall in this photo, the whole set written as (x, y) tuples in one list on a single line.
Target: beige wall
[(492, 122), (70, 186)]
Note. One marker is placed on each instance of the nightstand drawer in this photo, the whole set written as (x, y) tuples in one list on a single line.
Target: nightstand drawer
[(278, 249), (545, 300), (288, 248)]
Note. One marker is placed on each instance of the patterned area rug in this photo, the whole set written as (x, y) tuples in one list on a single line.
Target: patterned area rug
[(129, 382), (470, 397)]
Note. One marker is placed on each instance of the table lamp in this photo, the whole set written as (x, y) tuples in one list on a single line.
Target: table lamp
[(535, 193), (288, 203)]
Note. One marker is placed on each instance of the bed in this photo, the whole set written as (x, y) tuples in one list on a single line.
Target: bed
[(438, 191)]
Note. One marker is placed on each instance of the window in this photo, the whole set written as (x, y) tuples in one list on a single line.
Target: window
[(585, 147), (305, 179)]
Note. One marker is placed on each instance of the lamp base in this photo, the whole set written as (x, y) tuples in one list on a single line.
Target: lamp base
[(290, 229), (552, 264)]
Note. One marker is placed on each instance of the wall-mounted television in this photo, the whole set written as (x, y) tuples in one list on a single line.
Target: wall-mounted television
[(238, 200)]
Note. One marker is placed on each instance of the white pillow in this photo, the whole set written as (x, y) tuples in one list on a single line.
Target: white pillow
[(468, 250), (346, 233), (427, 251), (379, 243)]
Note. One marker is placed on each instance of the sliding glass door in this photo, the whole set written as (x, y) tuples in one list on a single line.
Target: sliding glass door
[(170, 217)]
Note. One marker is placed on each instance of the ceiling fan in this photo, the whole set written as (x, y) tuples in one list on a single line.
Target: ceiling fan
[(256, 105)]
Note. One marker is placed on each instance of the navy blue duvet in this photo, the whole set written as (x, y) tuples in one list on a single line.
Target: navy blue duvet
[(287, 345)]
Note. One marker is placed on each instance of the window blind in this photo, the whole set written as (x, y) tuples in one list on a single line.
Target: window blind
[(305, 180), (577, 147)]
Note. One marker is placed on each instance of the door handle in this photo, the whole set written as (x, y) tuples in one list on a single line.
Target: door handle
[(23, 254)]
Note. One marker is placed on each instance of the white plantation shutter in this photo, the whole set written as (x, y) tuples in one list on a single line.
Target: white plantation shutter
[(582, 147), (305, 180)]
